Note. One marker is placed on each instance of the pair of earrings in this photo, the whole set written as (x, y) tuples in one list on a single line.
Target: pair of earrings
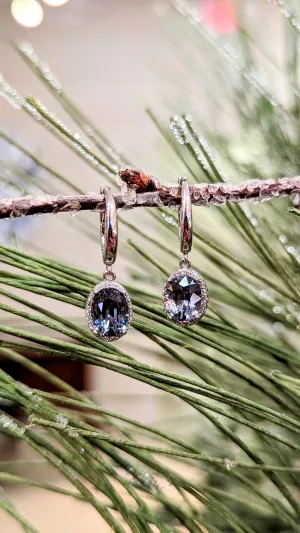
[(185, 298)]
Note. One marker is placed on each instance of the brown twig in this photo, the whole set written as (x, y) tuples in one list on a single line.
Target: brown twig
[(141, 190)]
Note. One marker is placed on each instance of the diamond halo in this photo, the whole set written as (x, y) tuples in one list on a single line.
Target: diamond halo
[(202, 300), (113, 286)]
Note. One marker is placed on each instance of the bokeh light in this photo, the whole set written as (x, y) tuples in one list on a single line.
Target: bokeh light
[(28, 13), (55, 3)]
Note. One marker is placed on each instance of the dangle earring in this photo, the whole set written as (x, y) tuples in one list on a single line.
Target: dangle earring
[(108, 309), (185, 295)]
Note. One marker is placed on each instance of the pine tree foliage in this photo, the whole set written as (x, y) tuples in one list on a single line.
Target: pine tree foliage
[(231, 464)]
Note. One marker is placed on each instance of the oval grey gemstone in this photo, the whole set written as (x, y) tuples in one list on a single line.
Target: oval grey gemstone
[(185, 297), (108, 310)]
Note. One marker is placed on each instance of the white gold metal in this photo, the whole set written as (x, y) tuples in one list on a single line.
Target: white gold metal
[(109, 274), (109, 228), (185, 295), (185, 221), (108, 308)]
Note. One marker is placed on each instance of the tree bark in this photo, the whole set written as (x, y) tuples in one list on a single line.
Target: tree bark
[(141, 190)]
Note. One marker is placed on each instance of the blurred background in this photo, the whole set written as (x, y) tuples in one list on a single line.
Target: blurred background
[(115, 59)]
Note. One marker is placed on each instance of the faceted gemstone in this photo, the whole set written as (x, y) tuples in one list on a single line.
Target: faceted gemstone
[(185, 297), (109, 312)]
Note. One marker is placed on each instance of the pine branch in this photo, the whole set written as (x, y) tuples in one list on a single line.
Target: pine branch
[(235, 375), (141, 190)]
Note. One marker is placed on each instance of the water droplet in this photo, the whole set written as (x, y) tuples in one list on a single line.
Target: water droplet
[(172, 205), (169, 219), (62, 420), (254, 221), (5, 421), (229, 464), (25, 47), (291, 250), (283, 239), (275, 372), (26, 390), (290, 318), (278, 327), (72, 433), (11, 426)]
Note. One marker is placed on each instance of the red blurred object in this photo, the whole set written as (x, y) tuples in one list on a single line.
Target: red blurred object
[(219, 15)]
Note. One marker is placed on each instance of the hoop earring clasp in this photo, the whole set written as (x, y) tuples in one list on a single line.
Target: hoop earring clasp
[(109, 228), (185, 221)]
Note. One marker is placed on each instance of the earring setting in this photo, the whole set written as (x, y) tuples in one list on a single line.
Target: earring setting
[(185, 295), (108, 308)]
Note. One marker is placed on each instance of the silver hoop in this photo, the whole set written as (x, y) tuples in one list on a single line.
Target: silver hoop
[(185, 221), (109, 228)]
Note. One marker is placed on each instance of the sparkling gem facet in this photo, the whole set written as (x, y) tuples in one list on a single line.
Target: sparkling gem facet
[(109, 310), (185, 297)]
